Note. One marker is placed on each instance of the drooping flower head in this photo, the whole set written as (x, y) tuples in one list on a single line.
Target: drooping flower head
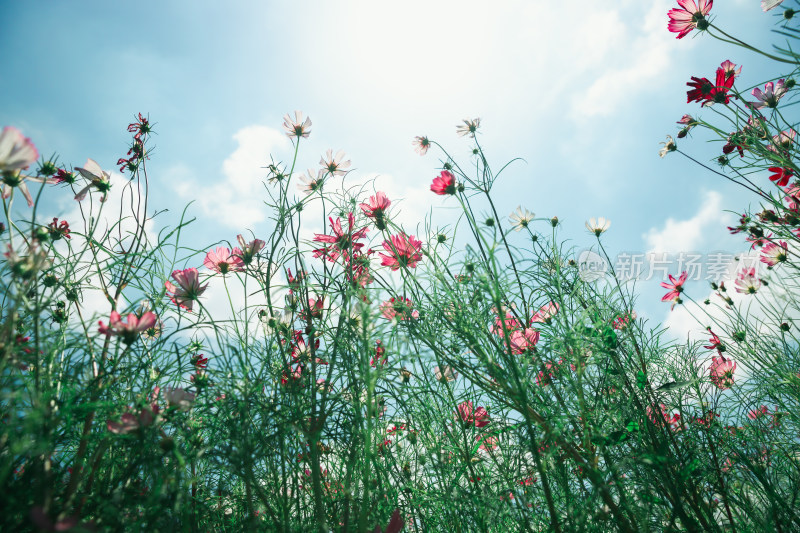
[(445, 183), (404, 251), (98, 178), (691, 15), (223, 260), (130, 330), (421, 145), (470, 127), (342, 243), (188, 289), (297, 128), (721, 371)]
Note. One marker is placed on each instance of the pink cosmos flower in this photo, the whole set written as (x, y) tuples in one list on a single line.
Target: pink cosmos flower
[(376, 208), (545, 313), (774, 253), (297, 128), (707, 93), (315, 308), (17, 152), (781, 175), (98, 178), (716, 343), (623, 321), (522, 341), (445, 183), (676, 288), (177, 397), (747, 282), (510, 322), (188, 288), (690, 16), (223, 260), (399, 308), (249, 250), (771, 94), (730, 70), (421, 145), (333, 164), (766, 5), (784, 140), (673, 421), (793, 197), (128, 331), (479, 417), (343, 243), (721, 372), (405, 250), (380, 357), (488, 443)]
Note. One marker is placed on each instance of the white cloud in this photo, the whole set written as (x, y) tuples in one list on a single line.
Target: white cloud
[(691, 234), (236, 200)]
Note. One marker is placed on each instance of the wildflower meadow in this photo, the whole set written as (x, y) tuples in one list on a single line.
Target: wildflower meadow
[(376, 377)]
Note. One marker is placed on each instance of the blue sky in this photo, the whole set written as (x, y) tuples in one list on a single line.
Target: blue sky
[(582, 91)]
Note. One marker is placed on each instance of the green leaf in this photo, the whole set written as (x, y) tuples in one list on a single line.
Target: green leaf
[(632, 426), (641, 380), (674, 385)]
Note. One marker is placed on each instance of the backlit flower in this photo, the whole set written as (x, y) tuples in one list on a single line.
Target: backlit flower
[(774, 253), (766, 5), (444, 183), (98, 178), (781, 175), (675, 287), (747, 282), (17, 152), (691, 15), (520, 218), (545, 313), (469, 127), (375, 208), (669, 146), (188, 288), (721, 372), (522, 341), (421, 145), (445, 373), (404, 251), (333, 164), (223, 260), (399, 309), (309, 183), (297, 128), (249, 250), (770, 95), (598, 226), (130, 330), (342, 242)]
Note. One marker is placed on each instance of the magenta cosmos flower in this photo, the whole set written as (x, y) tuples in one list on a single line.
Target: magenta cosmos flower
[(721, 371), (675, 287), (342, 243), (405, 251), (375, 208), (691, 15), (774, 253), (710, 93), (129, 331), (781, 175), (479, 417), (223, 260), (771, 94), (445, 183), (188, 288)]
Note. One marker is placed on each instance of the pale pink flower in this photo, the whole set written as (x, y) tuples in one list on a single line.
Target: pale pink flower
[(98, 178), (223, 260), (177, 397), (399, 309), (784, 140), (188, 288), (334, 164), (774, 253), (522, 341), (510, 322), (545, 313), (793, 197), (130, 330), (249, 250), (690, 16), (747, 282), (721, 371), (405, 250), (421, 145), (771, 94), (310, 184), (445, 374), (17, 152), (488, 443), (469, 127), (730, 70), (296, 128), (766, 5), (479, 417), (676, 288)]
